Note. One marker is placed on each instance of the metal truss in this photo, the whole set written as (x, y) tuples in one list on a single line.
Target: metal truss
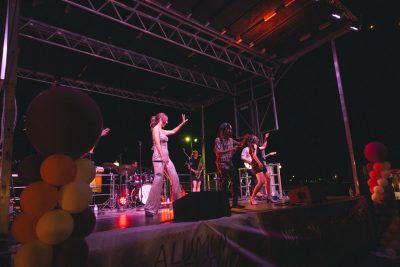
[(101, 89), (255, 113), (59, 37), (162, 22)]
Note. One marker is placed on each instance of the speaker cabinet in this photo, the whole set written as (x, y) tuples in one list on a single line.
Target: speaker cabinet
[(201, 206), (306, 195)]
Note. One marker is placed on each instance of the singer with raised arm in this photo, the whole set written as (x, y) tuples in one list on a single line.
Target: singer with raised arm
[(224, 149), (195, 167), (162, 163), (104, 132)]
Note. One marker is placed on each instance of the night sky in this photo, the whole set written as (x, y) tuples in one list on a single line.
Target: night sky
[(311, 140)]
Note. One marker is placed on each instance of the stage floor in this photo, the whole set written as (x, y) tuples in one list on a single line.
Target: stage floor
[(110, 219)]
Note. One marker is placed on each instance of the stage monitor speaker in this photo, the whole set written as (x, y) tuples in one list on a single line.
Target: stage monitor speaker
[(202, 206), (306, 195)]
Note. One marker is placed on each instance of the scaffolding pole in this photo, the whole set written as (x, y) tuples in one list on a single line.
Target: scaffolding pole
[(345, 117), (7, 130)]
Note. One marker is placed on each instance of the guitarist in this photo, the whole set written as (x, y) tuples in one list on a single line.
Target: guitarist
[(224, 149), (195, 167)]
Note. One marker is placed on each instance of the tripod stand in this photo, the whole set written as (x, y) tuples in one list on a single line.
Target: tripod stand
[(112, 200), (140, 206)]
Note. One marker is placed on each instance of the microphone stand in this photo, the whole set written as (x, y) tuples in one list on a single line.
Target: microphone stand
[(188, 165), (140, 206)]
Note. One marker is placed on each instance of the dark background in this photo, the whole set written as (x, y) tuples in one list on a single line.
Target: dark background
[(311, 142)]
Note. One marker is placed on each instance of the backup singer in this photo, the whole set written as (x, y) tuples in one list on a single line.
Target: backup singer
[(257, 165), (224, 149), (162, 163), (195, 167)]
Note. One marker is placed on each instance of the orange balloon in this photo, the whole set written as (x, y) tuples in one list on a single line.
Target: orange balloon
[(23, 228), (54, 227), (38, 198), (58, 169)]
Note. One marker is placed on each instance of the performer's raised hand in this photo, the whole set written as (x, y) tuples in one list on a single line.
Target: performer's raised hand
[(184, 120)]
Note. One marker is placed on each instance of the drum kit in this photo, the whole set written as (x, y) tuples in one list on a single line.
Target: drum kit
[(128, 186)]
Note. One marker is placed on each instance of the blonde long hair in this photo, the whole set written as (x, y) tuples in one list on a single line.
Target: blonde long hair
[(154, 120)]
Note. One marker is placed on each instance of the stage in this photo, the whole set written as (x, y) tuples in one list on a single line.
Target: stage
[(320, 234)]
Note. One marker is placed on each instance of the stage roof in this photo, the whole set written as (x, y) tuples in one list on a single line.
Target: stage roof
[(174, 53)]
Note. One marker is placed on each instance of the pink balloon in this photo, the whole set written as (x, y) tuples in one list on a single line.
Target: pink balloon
[(375, 152)]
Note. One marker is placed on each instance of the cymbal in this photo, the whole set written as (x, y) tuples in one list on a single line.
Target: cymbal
[(125, 169), (109, 165)]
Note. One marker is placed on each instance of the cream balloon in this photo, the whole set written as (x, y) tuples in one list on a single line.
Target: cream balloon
[(75, 196)]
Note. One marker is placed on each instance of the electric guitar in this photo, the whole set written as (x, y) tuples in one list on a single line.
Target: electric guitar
[(248, 166)]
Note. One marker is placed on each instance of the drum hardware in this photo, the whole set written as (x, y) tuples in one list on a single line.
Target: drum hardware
[(109, 165), (112, 200)]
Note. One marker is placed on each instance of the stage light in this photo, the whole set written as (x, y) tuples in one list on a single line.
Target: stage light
[(223, 31), (238, 39), (122, 201), (188, 139), (269, 16), (251, 45), (289, 2), (336, 15), (195, 140), (116, 163), (371, 26)]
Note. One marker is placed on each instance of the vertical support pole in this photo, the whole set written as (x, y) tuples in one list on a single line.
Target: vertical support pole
[(235, 113), (345, 117), (7, 130), (252, 110), (203, 149), (274, 103), (254, 104)]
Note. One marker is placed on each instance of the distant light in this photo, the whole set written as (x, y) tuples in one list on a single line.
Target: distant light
[(354, 28), (371, 26), (251, 44), (280, 166), (223, 31), (187, 139), (336, 16), (195, 140), (116, 163)]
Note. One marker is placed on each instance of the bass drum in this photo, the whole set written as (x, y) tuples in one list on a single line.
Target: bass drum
[(144, 190)]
